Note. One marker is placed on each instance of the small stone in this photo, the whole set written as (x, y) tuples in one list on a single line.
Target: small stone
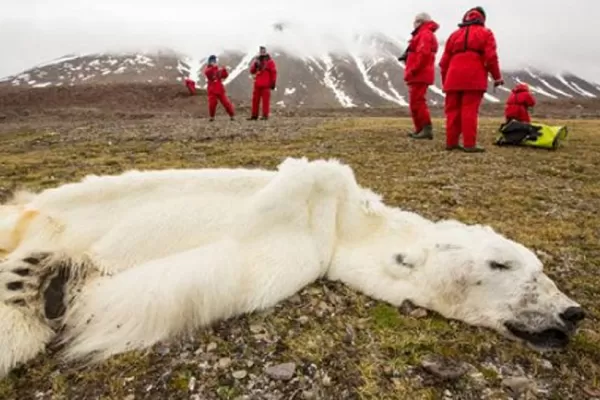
[(308, 395), (241, 374), (249, 363), (303, 319), (418, 313), (296, 299), (545, 364), (447, 394), (407, 307), (256, 328), (518, 385), (326, 380), (130, 397), (224, 362), (192, 384), (444, 369), (195, 397), (163, 350), (211, 346), (350, 335), (282, 372)]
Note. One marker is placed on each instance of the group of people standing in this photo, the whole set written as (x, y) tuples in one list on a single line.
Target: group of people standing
[(264, 71), (469, 57)]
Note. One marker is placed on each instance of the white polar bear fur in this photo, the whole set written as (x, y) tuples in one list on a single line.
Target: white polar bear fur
[(163, 252)]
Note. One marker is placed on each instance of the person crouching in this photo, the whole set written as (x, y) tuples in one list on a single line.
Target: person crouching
[(518, 104), (215, 88), (419, 73)]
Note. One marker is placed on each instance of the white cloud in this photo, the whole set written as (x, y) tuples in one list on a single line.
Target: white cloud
[(551, 35)]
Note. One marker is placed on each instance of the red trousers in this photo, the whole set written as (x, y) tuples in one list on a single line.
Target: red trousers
[(418, 105), (263, 93), (462, 113), (214, 98)]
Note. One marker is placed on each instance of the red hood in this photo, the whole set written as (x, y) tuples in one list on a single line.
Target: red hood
[(473, 17), (431, 25), (521, 87)]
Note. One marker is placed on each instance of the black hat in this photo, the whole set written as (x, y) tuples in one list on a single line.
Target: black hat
[(212, 58)]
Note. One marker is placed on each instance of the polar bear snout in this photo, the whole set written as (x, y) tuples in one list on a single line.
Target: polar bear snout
[(546, 330)]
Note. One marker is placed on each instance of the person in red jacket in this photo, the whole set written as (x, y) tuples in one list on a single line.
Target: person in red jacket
[(518, 104), (419, 73), (191, 86), (469, 56), (264, 70), (215, 88)]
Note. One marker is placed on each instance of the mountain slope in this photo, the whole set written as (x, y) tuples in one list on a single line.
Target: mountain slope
[(368, 77)]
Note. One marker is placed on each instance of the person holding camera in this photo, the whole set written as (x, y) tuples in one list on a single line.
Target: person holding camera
[(215, 88), (419, 73), (264, 71), (469, 56)]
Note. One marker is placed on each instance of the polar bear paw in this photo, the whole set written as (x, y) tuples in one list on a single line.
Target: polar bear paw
[(21, 279)]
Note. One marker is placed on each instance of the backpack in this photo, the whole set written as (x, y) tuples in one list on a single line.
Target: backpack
[(515, 133)]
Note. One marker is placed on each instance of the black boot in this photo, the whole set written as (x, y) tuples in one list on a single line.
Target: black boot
[(426, 133), (474, 149), (252, 118)]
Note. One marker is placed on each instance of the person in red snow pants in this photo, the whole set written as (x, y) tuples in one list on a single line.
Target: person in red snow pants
[(264, 70), (419, 73), (215, 88), (469, 56), (518, 104), (191, 86)]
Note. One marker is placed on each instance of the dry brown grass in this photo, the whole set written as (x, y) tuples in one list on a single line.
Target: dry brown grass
[(344, 344)]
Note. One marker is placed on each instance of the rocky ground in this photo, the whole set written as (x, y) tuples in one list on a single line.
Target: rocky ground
[(328, 342)]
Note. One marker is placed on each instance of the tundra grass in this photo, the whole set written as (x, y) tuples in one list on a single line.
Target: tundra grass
[(344, 345)]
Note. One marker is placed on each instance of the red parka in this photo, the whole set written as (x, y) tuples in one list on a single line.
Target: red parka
[(518, 104), (421, 51), (265, 72), (469, 56), (214, 79)]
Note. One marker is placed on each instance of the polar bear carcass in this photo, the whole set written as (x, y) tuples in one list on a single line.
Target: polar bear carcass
[(116, 263)]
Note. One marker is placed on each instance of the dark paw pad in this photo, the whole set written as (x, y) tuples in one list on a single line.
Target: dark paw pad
[(36, 258), (22, 271), (18, 302), (18, 285), (55, 294)]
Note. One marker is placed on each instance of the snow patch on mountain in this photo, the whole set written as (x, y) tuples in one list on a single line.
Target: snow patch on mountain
[(370, 84), (573, 87), (332, 83), (241, 67)]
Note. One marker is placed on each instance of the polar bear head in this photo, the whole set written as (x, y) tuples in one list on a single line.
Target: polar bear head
[(474, 274)]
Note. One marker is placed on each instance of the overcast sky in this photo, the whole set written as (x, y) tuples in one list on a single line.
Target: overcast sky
[(554, 35)]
